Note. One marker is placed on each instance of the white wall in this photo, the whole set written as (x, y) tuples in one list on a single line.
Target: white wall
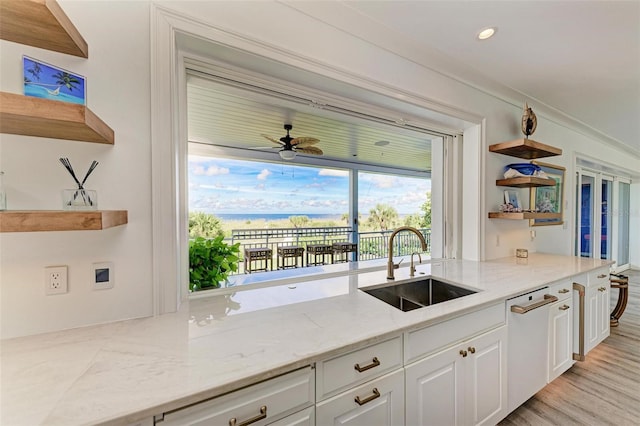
[(118, 91), (117, 74)]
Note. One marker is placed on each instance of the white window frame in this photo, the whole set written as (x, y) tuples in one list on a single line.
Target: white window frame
[(168, 147)]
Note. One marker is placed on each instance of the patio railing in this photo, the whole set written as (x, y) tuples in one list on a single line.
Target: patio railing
[(371, 245)]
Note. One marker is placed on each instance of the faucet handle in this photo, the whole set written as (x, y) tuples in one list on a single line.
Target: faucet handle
[(397, 265)]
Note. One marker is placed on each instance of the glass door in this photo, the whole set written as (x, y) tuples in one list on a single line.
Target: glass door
[(623, 213), (585, 220), (606, 216)]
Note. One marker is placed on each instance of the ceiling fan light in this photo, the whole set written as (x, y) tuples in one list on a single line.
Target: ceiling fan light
[(286, 154)]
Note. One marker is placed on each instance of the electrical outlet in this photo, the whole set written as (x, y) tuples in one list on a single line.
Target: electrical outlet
[(55, 280)]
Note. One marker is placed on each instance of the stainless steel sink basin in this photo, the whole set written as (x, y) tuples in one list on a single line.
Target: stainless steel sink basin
[(417, 294)]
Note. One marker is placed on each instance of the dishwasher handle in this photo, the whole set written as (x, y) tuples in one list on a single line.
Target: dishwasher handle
[(524, 309)]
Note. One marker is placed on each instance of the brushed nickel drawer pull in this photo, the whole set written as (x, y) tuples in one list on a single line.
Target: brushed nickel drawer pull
[(262, 415), (376, 394), (375, 362), (564, 307), (472, 349), (563, 291), (463, 353), (524, 309), (602, 276)]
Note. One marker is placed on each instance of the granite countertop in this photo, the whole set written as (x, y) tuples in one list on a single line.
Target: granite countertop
[(134, 369)]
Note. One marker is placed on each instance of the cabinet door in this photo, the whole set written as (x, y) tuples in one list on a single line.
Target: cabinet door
[(486, 378), (603, 314), (301, 418), (435, 389), (378, 402), (591, 319), (560, 338)]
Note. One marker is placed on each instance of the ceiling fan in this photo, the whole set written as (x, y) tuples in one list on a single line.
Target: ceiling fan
[(290, 146)]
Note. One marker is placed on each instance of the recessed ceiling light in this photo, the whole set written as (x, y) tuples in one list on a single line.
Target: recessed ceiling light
[(382, 143), (487, 33)]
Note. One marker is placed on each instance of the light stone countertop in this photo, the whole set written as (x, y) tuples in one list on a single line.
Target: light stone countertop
[(133, 369)]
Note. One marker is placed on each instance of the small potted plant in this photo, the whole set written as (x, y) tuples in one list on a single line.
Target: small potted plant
[(210, 262)]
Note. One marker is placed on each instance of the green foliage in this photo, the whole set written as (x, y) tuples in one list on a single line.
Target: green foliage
[(204, 225), (426, 208), (210, 262), (414, 220), (383, 217), (299, 221)]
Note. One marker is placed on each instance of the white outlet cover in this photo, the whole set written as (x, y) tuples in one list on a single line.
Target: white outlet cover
[(102, 275), (55, 280)]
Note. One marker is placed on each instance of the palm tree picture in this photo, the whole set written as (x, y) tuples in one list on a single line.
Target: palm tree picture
[(46, 81)]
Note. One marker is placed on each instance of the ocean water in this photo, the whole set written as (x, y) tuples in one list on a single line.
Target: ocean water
[(41, 92), (276, 216)]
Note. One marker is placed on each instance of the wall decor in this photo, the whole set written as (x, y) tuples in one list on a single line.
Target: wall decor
[(548, 199), (46, 81), (511, 197), (79, 198), (529, 121)]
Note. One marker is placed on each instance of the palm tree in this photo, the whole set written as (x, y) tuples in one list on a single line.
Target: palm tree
[(299, 221), (383, 216), (204, 225), (66, 79), (426, 208)]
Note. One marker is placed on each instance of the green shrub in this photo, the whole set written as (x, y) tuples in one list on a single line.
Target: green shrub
[(210, 262)]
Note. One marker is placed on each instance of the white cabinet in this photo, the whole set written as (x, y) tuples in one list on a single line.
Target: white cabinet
[(560, 331), (462, 385), (379, 402), (306, 417), (259, 404), (595, 323)]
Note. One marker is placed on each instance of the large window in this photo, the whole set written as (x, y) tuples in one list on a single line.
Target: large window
[(339, 201)]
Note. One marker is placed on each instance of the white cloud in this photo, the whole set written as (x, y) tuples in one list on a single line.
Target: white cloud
[(263, 174), (210, 171), (333, 172)]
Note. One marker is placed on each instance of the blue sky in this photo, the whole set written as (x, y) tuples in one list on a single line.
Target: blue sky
[(226, 186)]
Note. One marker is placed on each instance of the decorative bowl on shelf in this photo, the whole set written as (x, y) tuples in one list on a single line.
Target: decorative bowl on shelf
[(524, 168)]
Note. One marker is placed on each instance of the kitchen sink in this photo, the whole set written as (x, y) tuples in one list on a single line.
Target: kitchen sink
[(417, 294)]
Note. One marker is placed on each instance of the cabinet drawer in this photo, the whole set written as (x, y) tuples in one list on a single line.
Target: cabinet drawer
[(599, 277), (561, 289), (422, 342), (337, 374), (305, 417), (379, 402), (267, 401)]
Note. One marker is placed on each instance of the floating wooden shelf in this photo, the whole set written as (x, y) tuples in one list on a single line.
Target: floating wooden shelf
[(41, 23), (525, 182), (524, 215), (525, 148), (26, 115), (58, 220)]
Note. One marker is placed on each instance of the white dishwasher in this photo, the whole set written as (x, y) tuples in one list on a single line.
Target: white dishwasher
[(527, 346)]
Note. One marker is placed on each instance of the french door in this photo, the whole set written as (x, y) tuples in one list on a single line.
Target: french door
[(602, 217)]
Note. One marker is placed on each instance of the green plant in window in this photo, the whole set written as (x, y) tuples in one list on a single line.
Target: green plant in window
[(210, 262)]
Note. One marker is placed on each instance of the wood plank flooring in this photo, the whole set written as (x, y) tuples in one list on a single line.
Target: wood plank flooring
[(604, 389)]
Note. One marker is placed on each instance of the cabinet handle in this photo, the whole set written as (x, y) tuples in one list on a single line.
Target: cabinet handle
[(602, 276), (375, 362), (524, 309), (472, 349), (602, 289), (262, 415), (563, 291), (579, 356), (376, 394), (564, 307), (463, 353)]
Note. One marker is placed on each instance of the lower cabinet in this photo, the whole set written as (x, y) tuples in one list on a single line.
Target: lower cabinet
[(597, 316), (560, 335), (264, 403), (462, 385), (378, 402), (306, 417)]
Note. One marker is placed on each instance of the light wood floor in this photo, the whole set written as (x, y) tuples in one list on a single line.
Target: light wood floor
[(604, 389)]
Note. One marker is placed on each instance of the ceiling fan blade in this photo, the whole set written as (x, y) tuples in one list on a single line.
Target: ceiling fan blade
[(303, 142), (265, 147), (271, 139), (313, 150)]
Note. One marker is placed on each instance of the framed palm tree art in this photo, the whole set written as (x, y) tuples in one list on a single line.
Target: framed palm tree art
[(46, 81)]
